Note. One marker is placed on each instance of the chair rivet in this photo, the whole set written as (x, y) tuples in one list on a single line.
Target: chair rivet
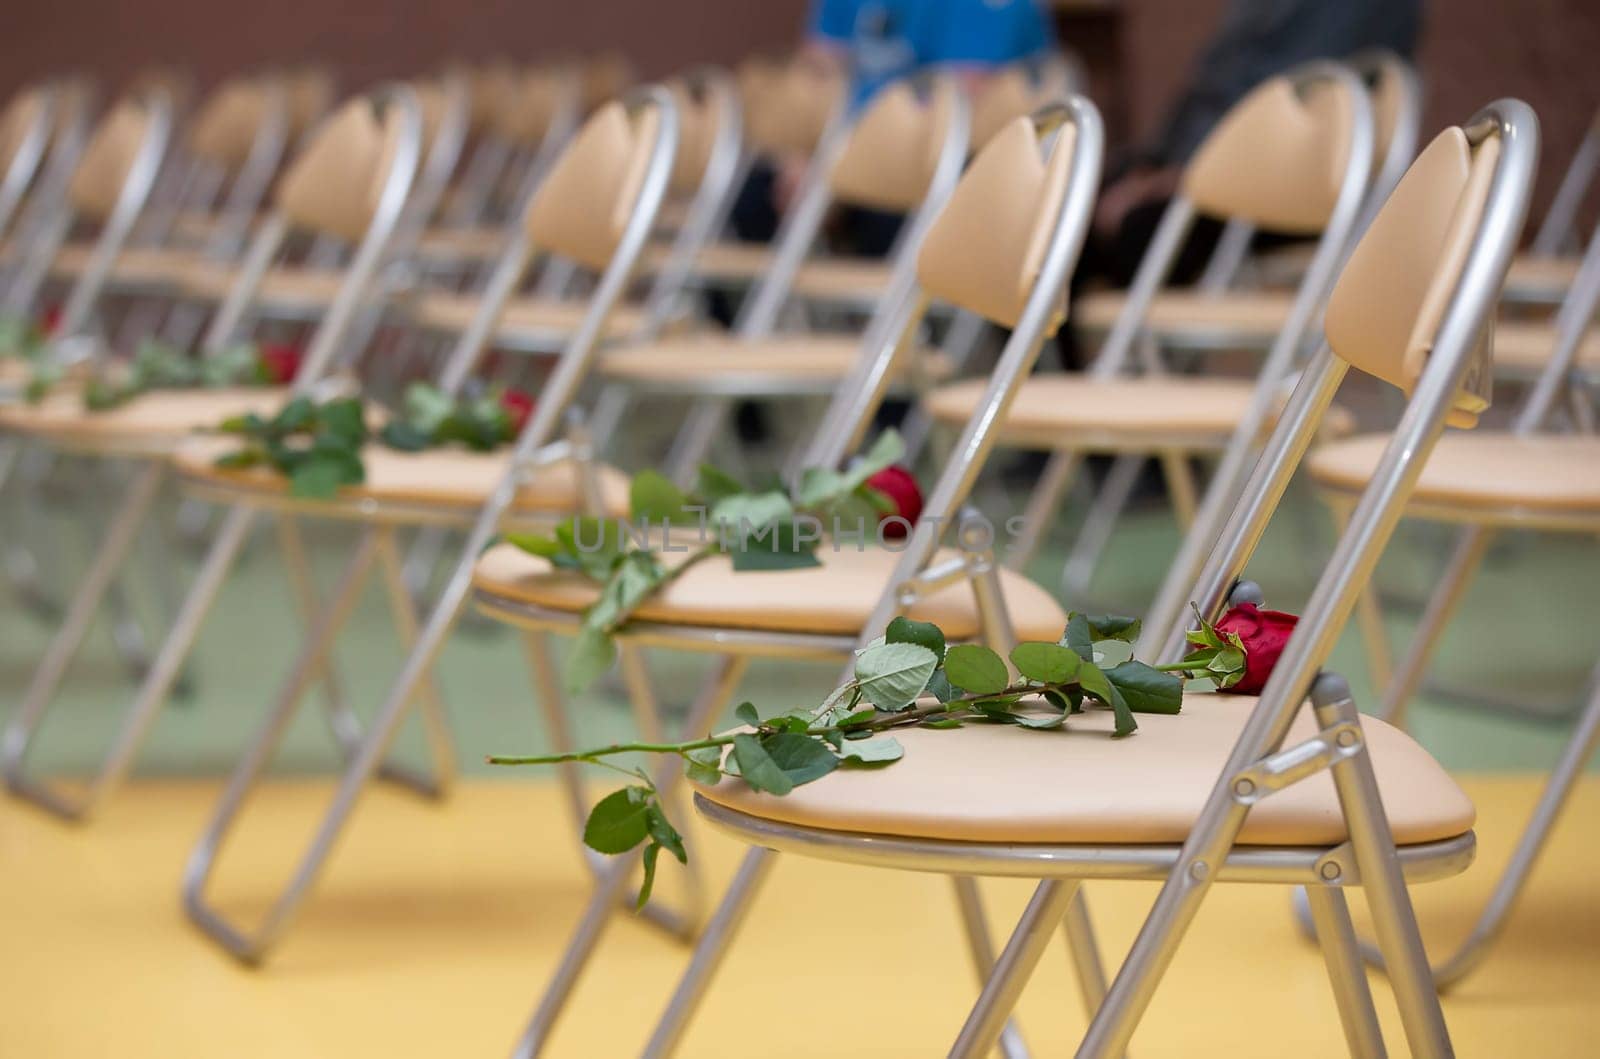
[(1198, 870), (1347, 739), (1330, 871), (1244, 788)]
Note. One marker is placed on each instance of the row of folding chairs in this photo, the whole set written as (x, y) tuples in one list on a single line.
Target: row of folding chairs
[(993, 240)]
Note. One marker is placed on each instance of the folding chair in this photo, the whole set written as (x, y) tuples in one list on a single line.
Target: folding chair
[(1233, 790), (902, 153), (1002, 247), (597, 208), (351, 182), (1294, 154), (1487, 482)]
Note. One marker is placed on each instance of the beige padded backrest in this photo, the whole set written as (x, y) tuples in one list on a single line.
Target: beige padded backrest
[(531, 101), (697, 134), (893, 149), (986, 248), (1386, 308), (1388, 93), (334, 184), (15, 121), (487, 87), (604, 78), (310, 94), (1013, 92), (228, 123), (787, 106), (1277, 158), (583, 206), (104, 165)]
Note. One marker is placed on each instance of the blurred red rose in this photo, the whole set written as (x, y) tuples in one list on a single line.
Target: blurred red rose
[(50, 319), (280, 362), (519, 406), (1264, 632), (901, 488)]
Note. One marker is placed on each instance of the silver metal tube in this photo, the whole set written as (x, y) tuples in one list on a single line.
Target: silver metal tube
[(975, 927), (1347, 974)]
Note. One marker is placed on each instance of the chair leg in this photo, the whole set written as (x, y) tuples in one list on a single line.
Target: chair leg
[(1042, 507), (612, 884), (1005, 983), (701, 425), (23, 726), (1085, 953), (1564, 777), (1180, 486), (975, 925), (708, 953), (302, 585), (1337, 937), (1471, 545), (1077, 573), (253, 762), (1399, 937), (435, 724)]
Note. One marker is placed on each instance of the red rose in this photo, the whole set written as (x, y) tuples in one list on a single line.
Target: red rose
[(50, 320), (901, 488), (280, 362), (519, 406), (1264, 633)]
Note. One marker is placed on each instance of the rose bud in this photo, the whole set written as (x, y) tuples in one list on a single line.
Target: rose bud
[(1264, 632), (279, 362), (519, 405), (900, 487), (50, 320)]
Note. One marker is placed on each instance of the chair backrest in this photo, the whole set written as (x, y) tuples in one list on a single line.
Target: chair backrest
[(228, 123), (108, 160), (1015, 91), (333, 184), (1277, 158), (584, 204), (1396, 91), (311, 94), (603, 79), (789, 105), (535, 101), (889, 159), (1411, 307), (25, 128)]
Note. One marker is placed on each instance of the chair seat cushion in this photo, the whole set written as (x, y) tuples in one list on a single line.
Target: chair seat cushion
[(155, 420), (525, 320), (1540, 279), (1059, 410), (296, 288), (835, 598), (449, 477), (138, 266), (454, 244), (1525, 347), (1251, 318), (749, 364), (1553, 472), (1077, 785), (845, 279)]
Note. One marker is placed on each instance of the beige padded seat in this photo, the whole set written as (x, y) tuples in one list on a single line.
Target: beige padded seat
[(135, 266), (155, 421), (526, 317), (471, 244), (1525, 347), (993, 783), (1553, 472), (730, 361), (1053, 410), (723, 261), (828, 278), (836, 598), (445, 478), (300, 288), (1246, 317), (1540, 279)]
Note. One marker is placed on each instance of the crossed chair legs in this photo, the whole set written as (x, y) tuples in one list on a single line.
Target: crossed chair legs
[(1472, 544)]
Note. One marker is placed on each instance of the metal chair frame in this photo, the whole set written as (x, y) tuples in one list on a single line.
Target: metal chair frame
[(1472, 543), (1259, 764), (136, 502)]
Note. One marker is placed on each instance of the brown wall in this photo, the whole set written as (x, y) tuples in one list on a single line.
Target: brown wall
[(1546, 51)]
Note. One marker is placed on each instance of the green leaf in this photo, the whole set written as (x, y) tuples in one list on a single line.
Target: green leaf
[(242, 459), (973, 667), (426, 406), (344, 419), (859, 717), (1079, 636), (593, 651), (319, 478), (746, 712), (1113, 627), (753, 511), (925, 633), (1094, 682), (861, 752), (1147, 690), (714, 485), (704, 766), (892, 675), (942, 723), (820, 486), (801, 757), (1040, 722), (774, 546), (663, 834), (619, 821), (758, 768), (647, 885), (1046, 663), (653, 496), (299, 413), (939, 687), (535, 544), (886, 448), (404, 437)]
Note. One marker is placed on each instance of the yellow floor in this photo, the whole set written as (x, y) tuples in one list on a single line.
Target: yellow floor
[(436, 928)]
